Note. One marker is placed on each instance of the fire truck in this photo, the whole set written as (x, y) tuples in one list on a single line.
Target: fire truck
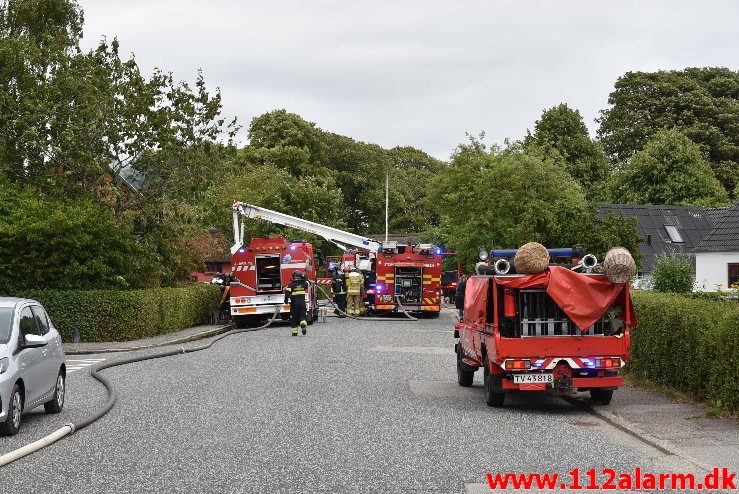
[(409, 275), (564, 329), (261, 270)]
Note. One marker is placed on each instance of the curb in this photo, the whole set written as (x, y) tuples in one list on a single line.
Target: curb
[(185, 339), (640, 434)]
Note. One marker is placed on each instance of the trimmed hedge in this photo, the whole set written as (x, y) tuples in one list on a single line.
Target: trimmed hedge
[(123, 315), (689, 345)]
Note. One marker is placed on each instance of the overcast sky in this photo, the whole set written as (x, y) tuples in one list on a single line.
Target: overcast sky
[(419, 73)]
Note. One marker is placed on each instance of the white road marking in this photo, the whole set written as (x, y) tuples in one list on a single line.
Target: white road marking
[(79, 364)]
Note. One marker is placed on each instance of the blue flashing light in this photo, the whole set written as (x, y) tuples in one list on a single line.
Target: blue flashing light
[(292, 247), (438, 251), (378, 287), (588, 362), (241, 251)]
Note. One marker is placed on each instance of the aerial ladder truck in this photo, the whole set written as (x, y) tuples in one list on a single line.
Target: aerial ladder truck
[(409, 275)]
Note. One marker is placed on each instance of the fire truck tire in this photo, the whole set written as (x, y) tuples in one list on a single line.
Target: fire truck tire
[(434, 314), (601, 396), (241, 321), (465, 375), (493, 384)]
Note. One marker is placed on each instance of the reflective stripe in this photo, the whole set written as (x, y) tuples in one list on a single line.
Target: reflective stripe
[(299, 292)]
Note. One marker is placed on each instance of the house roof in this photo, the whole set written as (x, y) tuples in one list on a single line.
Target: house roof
[(725, 235), (655, 225)]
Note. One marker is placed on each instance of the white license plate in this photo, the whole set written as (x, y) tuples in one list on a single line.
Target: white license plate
[(532, 378)]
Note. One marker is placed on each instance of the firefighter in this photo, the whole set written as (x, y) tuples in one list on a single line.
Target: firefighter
[(459, 296), (339, 288), (295, 294), (355, 292)]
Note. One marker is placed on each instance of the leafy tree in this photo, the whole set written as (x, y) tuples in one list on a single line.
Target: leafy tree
[(703, 103), (673, 273), (560, 134), (47, 243), (311, 198), (358, 169), (669, 170), (503, 199)]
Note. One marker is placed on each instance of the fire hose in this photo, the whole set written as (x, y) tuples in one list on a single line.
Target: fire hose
[(343, 313), (113, 395)]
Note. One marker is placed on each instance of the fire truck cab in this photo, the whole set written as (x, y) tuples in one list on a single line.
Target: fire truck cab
[(560, 329), (262, 271)]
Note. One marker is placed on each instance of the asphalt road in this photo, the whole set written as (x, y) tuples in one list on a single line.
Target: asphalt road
[(353, 407)]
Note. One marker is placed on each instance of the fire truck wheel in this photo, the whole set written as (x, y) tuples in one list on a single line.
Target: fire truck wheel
[(492, 384), (465, 375), (601, 396)]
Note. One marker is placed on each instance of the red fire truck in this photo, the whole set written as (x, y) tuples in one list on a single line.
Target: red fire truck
[(262, 270), (560, 329)]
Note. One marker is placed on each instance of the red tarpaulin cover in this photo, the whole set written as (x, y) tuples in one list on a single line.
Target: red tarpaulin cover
[(583, 298), (476, 299)]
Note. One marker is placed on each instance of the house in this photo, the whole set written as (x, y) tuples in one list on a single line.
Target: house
[(665, 229), (717, 256), (214, 249)]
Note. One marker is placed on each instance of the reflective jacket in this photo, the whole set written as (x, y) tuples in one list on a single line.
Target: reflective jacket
[(355, 283), (339, 287), (296, 291)]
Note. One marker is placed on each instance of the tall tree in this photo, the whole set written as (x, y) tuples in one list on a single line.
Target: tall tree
[(669, 170), (703, 103), (561, 135), (503, 199)]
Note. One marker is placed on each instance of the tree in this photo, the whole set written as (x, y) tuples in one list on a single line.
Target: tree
[(703, 103), (503, 199), (673, 273), (311, 198), (79, 244), (669, 170), (560, 134), (285, 140)]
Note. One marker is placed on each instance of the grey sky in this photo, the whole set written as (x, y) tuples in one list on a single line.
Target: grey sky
[(419, 73)]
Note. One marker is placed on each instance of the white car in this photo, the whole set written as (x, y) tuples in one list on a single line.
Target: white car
[(32, 362)]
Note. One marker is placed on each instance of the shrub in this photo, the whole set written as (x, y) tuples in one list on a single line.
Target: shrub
[(123, 315), (673, 273), (689, 345)]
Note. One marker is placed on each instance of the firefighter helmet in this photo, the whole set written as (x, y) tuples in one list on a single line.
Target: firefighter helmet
[(297, 275)]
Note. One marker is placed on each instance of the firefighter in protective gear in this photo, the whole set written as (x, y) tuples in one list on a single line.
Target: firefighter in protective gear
[(295, 294), (339, 289), (355, 292)]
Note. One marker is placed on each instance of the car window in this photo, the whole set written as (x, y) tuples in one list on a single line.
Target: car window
[(6, 320), (28, 323), (42, 320)]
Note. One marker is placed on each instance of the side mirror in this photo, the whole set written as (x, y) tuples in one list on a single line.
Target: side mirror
[(34, 341)]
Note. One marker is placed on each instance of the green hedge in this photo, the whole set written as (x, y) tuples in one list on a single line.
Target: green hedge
[(689, 345), (123, 315)]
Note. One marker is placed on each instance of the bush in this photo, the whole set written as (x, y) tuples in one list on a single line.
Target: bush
[(689, 345), (673, 273), (123, 315)]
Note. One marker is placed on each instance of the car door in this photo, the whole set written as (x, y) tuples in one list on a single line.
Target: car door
[(30, 360), (50, 353)]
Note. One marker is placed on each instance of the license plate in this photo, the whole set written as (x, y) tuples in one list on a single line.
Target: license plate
[(532, 378)]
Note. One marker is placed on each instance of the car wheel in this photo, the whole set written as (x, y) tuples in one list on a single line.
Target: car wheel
[(57, 402), (492, 384), (12, 423), (601, 396), (465, 376)]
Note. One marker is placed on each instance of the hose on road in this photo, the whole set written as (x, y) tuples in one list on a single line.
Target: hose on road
[(400, 306), (113, 395)]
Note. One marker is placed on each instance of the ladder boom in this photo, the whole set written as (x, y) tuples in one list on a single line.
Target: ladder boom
[(338, 237)]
